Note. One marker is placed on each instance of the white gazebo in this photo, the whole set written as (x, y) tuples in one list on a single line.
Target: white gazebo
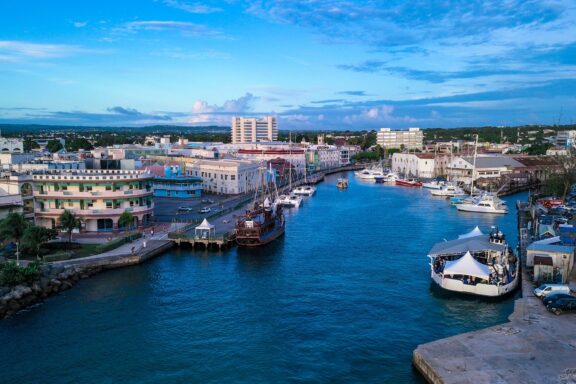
[(468, 266), (205, 231)]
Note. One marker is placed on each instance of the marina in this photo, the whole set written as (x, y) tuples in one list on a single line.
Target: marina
[(304, 308)]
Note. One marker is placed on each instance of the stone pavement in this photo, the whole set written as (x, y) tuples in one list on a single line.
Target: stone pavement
[(536, 346)]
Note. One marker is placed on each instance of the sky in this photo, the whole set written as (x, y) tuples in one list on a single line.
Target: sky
[(329, 65)]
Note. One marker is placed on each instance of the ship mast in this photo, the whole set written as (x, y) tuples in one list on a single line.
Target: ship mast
[(474, 166)]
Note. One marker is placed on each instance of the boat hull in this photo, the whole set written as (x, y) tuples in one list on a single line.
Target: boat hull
[(405, 183), (478, 209), (486, 290), (259, 241)]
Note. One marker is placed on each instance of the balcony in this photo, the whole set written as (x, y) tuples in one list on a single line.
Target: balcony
[(93, 195), (83, 213)]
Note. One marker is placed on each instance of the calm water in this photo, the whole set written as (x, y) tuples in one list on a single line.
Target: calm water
[(344, 297)]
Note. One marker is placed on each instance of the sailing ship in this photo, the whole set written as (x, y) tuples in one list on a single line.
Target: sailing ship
[(263, 222), (476, 264)]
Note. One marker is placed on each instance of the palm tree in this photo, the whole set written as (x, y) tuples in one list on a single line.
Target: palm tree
[(126, 220), (69, 222), (34, 236), (13, 227)]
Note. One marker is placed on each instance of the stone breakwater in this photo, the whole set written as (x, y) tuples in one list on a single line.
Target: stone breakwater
[(54, 279)]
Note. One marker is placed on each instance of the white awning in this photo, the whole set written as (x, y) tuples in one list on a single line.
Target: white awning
[(205, 225), (475, 232), (467, 265)]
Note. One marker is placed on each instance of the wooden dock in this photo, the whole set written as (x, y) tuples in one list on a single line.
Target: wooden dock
[(219, 242)]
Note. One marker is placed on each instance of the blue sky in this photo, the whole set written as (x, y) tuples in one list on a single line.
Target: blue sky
[(334, 64)]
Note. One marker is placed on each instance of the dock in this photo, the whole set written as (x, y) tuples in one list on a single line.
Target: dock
[(535, 346)]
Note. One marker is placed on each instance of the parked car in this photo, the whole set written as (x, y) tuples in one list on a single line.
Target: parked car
[(546, 289), (555, 296), (205, 210), (205, 200), (562, 305), (211, 201), (185, 209)]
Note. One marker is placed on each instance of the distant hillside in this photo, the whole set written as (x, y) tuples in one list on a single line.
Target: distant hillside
[(12, 129)]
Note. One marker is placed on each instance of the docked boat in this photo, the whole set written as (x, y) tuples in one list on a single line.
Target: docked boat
[(369, 173), (448, 190), (408, 182), (304, 190), (476, 264), (434, 184), (342, 183), (485, 203), (289, 201), (391, 178)]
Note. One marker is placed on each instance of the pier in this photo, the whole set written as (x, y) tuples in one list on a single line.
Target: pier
[(535, 346)]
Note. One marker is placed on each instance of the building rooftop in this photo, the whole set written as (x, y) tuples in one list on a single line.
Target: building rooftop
[(493, 161)]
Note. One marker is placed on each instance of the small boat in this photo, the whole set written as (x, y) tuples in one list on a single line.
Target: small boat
[(342, 183), (409, 182), (448, 191), (289, 201), (475, 264), (391, 177), (369, 173), (434, 184), (380, 179), (485, 203), (304, 190)]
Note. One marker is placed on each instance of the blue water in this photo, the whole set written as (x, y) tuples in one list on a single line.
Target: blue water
[(344, 297)]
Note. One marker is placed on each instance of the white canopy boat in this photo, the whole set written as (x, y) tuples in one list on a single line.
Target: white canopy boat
[(476, 264), (485, 203)]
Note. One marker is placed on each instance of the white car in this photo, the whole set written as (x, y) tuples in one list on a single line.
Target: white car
[(205, 210)]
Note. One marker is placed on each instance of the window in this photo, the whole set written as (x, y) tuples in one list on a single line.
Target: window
[(108, 187), (88, 187), (108, 204), (232, 177), (91, 204)]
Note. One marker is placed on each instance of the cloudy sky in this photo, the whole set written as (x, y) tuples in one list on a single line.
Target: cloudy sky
[(333, 64)]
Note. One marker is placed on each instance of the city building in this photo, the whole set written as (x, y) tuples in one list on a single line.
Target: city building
[(322, 157), (566, 138), (460, 169), (10, 204), (96, 197), (228, 177), (414, 164), (19, 185), (11, 145), (413, 138), (173, 184), (251, 129)]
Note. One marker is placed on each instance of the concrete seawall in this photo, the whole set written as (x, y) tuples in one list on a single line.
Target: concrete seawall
[(534, 347)]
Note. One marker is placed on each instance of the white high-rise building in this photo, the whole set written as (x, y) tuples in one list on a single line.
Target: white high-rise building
[(413, 138), (251, 129)]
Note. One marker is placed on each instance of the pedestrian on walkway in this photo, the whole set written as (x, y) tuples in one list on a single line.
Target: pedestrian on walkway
[(133, 249)]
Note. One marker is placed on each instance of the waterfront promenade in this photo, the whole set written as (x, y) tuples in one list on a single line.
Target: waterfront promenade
[(535, 346)]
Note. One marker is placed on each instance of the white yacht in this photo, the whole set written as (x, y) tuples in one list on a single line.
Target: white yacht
[(485, 203), (448, 190), (434, 184), (291, 200), (391, 178), (304, 190), (475, 264), (369, 173)]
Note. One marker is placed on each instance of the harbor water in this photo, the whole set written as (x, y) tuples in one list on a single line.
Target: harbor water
[(344, 297)]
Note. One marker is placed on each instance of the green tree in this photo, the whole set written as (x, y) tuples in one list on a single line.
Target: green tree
[(54, 145), (76, 143), (30, 144), (126, 220), (34, 237), (13, 228), (69, 222)]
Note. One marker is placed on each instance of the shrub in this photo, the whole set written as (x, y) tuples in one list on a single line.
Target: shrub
[(12, 274)]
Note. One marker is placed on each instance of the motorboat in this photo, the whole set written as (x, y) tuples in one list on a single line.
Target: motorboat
[(475, 264), (289, 201), (408, 182), (369, 173), (342, 183), (485, 203), (448, 190), (391, 177), (304, 190), (434, 184)]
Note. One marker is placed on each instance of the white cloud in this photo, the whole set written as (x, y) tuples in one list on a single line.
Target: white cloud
[(192, 7), (80, 24), (183, 27), (19, 50), (202, 112)]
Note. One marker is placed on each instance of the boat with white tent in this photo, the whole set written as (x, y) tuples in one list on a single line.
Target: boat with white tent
[(475, 263)]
